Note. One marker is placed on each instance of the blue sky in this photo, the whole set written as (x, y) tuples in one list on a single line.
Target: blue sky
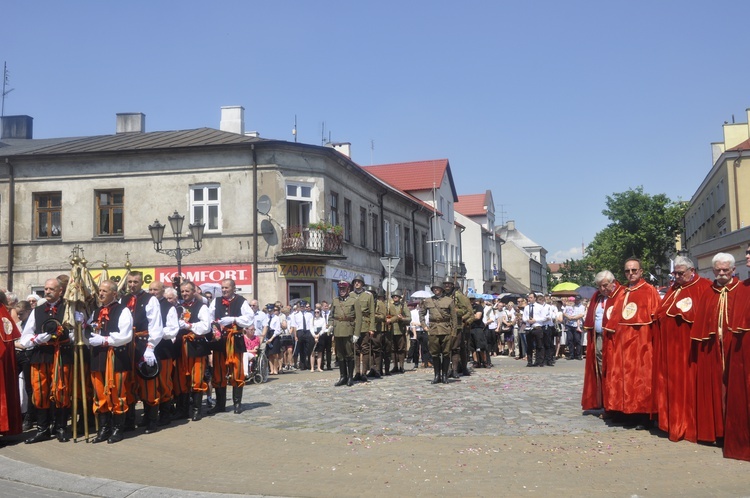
[(551, 105)]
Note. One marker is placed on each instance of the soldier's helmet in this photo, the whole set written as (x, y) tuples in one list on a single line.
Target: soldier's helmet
[(360, 278), (397, 293), (372, 290), (436, 285), (448, 282)]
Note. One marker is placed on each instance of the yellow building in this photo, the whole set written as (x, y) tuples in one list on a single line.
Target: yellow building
[(719, 213)]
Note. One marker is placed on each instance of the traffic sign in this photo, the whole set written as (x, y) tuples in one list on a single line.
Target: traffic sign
[(389, 264), (390, 284)]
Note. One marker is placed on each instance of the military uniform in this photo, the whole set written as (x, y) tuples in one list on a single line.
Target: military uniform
[(345, 320), (460, 340), (442, 328), (366, 324), (382, 341), (399, 326)]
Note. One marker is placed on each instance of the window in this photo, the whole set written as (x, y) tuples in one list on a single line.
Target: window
[(334, 208), (375, 239), (47, 215), (347, 220), (397, 240), (109, 212), (425, 254), (205, 202), (363, 227), (299, 204), (387, 236), (407, 241)]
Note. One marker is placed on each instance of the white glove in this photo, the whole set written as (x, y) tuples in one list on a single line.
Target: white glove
[(183, 324), (355, 338), (149, 356), (79, 316), (226, 321), (42, 338), (96, 340)]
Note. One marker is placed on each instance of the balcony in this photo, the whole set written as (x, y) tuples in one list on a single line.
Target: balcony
[(299, 242), (457, 269)]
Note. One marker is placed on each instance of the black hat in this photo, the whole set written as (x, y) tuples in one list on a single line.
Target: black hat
[(270, 307), (54, 328), (148, 371), (302, 303)]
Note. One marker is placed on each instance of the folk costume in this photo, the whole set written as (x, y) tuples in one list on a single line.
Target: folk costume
[(737, 367), (11, 420), (111, 336), (674, 373), (51, 367), (628, 360), (166, 354), (192, 360), (229, 316), (711, 334)]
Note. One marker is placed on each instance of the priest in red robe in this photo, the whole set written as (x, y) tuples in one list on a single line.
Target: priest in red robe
[(674, 373), (600, 307), (711, 334), (10, 401), (628, 361), (737, 377)]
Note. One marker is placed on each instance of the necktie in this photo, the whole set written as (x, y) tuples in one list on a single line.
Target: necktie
[(304, 322), (531, 311)]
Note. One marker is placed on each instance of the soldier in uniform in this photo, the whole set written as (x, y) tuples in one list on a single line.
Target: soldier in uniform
[(111, 363), (165, 351), (345, 320), (398, 319), (382, 340), (442, 327), (147, 334), (367, 326), (194, 349), (231, 313), (50, 358), (460, 340)]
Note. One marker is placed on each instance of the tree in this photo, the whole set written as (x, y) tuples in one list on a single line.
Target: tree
[(578, 271), (641, 225)]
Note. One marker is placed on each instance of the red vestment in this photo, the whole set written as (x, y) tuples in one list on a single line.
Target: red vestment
[(737, 378), (709, 332), (674, 373), (10, 401), (593, 394), (628, 360)]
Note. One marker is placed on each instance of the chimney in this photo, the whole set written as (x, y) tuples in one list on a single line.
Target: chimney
[(344, 148), (17, 127), (511, 225), (131, 122), (233, 119)]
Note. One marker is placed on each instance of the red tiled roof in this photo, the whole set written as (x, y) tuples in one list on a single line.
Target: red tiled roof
[(418, 175), (472, 205), (743, 146)]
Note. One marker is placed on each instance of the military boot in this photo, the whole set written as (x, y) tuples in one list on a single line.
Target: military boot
[(344, 377), (350, 368), (237, 399)]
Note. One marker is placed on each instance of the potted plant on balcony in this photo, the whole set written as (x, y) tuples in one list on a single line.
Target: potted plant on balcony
[(326, 235)]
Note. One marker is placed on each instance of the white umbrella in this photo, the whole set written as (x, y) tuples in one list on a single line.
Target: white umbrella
[(421, 294)]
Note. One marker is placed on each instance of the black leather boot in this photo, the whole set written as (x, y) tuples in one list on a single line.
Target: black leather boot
[(342, 372), (129, 423), (196, 410), (42, 423), (164, 416), (62, 425), (350, 368), (105, 428), (151, 413), (237, 399), (436, 369), (118, 428), (183, 407), (446, 366), (221, 401)]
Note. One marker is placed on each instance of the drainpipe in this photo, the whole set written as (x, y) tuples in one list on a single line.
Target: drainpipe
[(382, 225), (255, 222), (414, 245), (11, 220)]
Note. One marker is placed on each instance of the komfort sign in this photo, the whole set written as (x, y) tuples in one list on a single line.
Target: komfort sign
[(241, 273)]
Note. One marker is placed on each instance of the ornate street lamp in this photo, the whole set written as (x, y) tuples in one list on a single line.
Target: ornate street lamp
[(657, 269), (176, 221)]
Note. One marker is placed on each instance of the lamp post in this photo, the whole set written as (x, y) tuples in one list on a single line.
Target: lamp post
[(657, 269), (176, 221)]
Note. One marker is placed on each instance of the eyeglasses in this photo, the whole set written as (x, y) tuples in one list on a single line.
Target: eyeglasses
[(747, 252), (632, 270), (678, 273)]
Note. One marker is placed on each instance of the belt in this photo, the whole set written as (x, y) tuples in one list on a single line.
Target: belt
[(439, 321), (143, 333), (344, 319)]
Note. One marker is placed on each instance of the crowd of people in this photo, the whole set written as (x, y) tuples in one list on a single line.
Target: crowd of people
[(677, 362)]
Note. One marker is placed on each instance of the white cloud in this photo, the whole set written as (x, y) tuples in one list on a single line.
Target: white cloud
[(562, 256)]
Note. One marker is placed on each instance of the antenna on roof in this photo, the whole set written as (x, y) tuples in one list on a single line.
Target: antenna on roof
[(372, 149), (502, 213), (294, 130), (6, 80), (323, 133)]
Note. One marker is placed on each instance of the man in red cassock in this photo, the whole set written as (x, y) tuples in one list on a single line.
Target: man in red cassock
[(628, 361), (674, 373), (711, 335), (737, 361), (597, 315), (10, 401)]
